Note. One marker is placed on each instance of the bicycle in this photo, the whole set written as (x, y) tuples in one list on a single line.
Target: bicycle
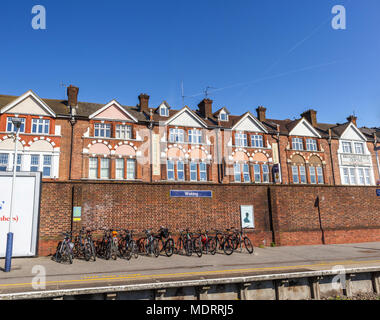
[(184, 243), (128, 246), (239, 238), (83, 245), (150, 243), (223, 242), (208, 243), (167, 243), (107, 247), (64, 250), (196, 241)]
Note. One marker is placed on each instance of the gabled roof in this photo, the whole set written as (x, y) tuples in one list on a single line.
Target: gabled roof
[(254, 119), (216, 114), (24, 96), (355, 128), (183, 110), (292, 126), (109, 104)]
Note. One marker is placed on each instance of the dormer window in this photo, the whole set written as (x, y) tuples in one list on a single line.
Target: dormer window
[(223, 116), (164, 111)]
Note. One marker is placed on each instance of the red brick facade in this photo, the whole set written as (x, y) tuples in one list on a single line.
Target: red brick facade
[(285, 215)]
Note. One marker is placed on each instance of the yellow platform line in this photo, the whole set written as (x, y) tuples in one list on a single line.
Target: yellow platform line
[(139, 276)]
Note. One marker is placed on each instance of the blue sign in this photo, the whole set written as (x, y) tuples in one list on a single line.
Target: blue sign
[(378, 192), (190, 194)]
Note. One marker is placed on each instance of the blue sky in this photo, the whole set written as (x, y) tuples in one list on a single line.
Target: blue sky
[(282, 54)]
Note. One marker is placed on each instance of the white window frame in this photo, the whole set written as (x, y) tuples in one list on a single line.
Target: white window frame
[(257, 141), (93, 169), (297, 144), (195, 136), (105, 170), (119, 168), (347, 147), (131, 169), (4, 161), (13, 129), (221, 116), (164, 111), (237, 172), (311, 145), (246, 175), (102, 129), (176, 135), (203, 171), (241, 140), (170, 168), (40, 123), (182, 170), (193, 171), (123, 131)]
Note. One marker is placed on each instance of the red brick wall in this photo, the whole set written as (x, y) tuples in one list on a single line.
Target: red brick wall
[(348, 214), (345, 215)]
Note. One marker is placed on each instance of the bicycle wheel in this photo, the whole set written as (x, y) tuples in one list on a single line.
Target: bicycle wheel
[(213, 244), (156, 247), (248, 245), (67, 253), (169, 247), (188, 247), (93, 250), (179, 247), (58, 256), (228, 246), (129, 250), (197, 246), (87, 252), (108, 251), (135, 249)]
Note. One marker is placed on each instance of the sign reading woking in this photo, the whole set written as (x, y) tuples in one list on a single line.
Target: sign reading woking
[(190, 193), (24, 224)]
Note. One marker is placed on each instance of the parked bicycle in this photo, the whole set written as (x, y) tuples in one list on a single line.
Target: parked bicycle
[(127, 246), (84, 246), (223, 242), (208, 242), (165, 241), (239, 239), (149, 244), (184, 243), (64, 250), (107, 247)]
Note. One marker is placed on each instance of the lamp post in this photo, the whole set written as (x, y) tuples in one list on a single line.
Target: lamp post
[(8, 256)]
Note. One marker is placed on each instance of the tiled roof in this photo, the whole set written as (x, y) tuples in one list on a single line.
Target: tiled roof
[(85, 109)]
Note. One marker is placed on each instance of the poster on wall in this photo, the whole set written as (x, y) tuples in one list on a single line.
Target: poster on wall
[(25, 217), (246, 217)]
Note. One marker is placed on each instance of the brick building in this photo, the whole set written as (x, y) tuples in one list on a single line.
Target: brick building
[(72, 140), (308, 182)]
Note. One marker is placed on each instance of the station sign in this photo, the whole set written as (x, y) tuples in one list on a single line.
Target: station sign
[(191, 193), (378, 192)]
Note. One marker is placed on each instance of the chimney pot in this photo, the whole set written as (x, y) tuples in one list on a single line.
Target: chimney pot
[(352, 119), (72, 96), (311, 116)]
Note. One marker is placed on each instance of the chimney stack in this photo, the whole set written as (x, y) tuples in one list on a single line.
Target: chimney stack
[(205, 108), (352, 119), (311, 116), (144, 103), (261, 113), (72, 96)]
